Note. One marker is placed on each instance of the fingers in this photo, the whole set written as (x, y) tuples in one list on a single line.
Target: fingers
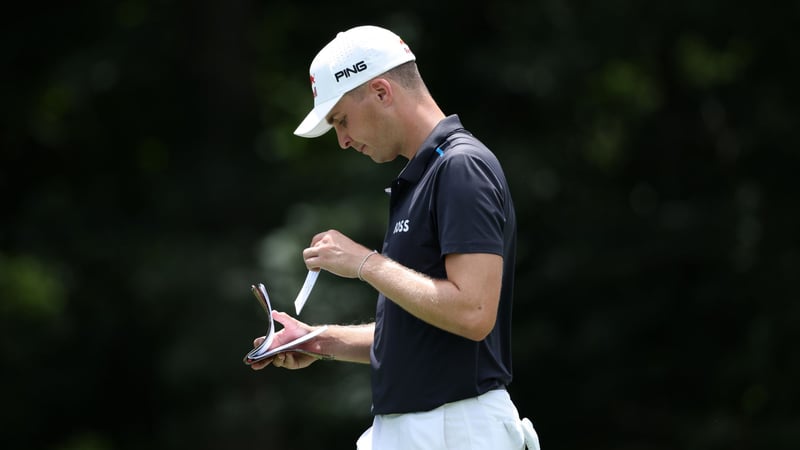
[(287, 360), (282, 318), (320, 236), (313, 258), (311, 255), (280, 360), (261, 364)]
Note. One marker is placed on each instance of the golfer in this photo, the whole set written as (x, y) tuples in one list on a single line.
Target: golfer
[(440, 347)]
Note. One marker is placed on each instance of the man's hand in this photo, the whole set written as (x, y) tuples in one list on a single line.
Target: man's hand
[(336, 253), (292, 329)]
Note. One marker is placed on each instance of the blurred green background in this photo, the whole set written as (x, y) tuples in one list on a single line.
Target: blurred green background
[(149, 175)]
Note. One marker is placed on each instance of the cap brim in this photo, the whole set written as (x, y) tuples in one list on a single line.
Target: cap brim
[(315, 125)]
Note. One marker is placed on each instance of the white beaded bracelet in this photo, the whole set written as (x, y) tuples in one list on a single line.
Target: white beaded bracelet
[(363, 261)]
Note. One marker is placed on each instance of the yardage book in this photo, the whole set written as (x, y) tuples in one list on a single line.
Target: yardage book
[(264, 351)]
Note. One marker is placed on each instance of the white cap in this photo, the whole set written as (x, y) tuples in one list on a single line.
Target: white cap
[(354, 57)]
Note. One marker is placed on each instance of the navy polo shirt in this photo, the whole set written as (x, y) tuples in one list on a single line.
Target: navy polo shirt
[(452, 197)]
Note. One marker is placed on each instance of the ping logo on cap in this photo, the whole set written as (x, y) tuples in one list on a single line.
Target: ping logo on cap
[(351, 58), (347, 71)]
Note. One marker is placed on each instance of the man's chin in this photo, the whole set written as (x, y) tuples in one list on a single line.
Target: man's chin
[(380, 159)]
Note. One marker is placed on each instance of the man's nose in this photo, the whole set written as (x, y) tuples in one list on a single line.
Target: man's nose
[(344, 140)]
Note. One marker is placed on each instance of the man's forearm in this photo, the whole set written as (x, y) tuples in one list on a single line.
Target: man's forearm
[(349, 343), (465, 303)]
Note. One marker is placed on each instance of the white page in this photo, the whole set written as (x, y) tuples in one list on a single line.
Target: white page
[(263, 351), (300, 301)]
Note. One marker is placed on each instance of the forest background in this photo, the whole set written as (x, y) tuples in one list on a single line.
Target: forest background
[(149, 176)]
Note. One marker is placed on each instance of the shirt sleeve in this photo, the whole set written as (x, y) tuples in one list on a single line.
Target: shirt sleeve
[(469, 208)]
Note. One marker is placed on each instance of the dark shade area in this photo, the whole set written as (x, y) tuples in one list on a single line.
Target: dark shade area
[(149, 176)]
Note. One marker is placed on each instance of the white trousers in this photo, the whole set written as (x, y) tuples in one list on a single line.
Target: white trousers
[(489, 421)]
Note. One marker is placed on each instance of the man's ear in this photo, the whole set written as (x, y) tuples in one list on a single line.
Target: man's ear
[(382, 89)]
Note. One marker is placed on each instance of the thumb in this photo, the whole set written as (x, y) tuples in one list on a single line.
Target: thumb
[(282, 318), (257, 341)]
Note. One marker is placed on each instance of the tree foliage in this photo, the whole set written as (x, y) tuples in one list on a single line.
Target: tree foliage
[(149, 175)]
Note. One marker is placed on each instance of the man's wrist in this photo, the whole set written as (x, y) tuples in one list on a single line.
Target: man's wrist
[(361, 266)]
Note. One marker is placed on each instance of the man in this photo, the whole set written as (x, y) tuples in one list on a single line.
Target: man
[(439, 349)]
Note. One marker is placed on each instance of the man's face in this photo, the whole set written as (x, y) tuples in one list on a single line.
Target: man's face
[(360, 124)]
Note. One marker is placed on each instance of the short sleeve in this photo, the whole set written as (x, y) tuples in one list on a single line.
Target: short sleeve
[(469, 210)]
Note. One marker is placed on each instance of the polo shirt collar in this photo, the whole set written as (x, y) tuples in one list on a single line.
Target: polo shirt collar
[(420, 162)]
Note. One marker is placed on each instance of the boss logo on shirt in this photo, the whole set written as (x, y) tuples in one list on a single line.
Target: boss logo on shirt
[(401, 226)]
